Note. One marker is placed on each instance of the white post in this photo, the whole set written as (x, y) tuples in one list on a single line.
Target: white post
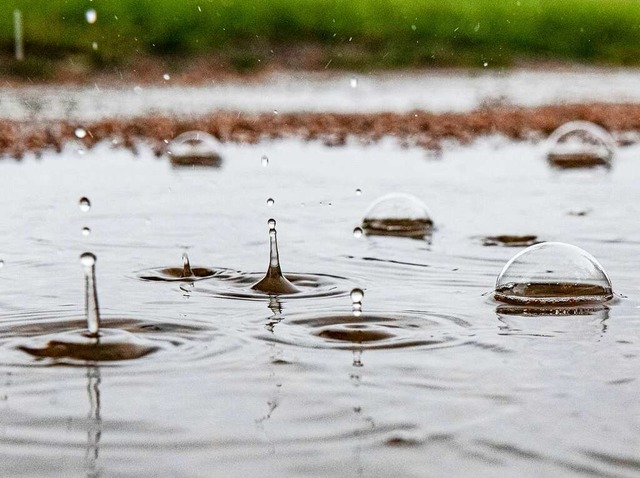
[(17, 28)]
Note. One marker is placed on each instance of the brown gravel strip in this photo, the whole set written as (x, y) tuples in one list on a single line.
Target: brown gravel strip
[(418, 128)]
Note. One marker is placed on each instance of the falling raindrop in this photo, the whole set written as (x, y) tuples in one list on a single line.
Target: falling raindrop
[(80, 133), (84, 204), (358, 192), (92, 311), (265, 161), (94, 45), (356, 297), (274, 282), (353, 82), (91, 16), (275, 112), (357, 232), (553, 274), (270, 202), (86, 231), (166, 77)]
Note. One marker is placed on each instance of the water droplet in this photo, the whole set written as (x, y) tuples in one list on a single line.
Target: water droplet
[(137, 89), (275, 112), (166, 77), (398, 214), (485, 64), (358, 192), (553, 274), (80, 133), (356, 297), (91, 16), (357, 232), (84, 204), (353, 82), (270, 202), (86, 231), (94, 45), (88, 259), (272, 224), (1, 263), (580, 144), (265, 161)]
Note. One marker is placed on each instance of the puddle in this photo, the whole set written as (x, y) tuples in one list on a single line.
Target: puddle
[(424, 371)]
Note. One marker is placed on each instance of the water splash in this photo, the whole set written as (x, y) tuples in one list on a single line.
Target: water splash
[(186, 266), (274, 282), (356, 297), (92, 310)]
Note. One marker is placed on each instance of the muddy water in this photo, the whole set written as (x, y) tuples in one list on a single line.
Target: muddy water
[(432, 379)]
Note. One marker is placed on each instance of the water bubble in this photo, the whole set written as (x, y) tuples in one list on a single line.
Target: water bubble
[(357, 232), (86, 231), (194, 148), (166, 77), (80, 133), (553, 274), (270, 202), (398, 214), (265, 161), (358, 192), (91, 16), (84, 204), (580, 144), (353, 82)]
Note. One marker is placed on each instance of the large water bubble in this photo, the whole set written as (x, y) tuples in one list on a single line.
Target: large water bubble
[(579, 144), (398, 214), (553, 274), (194, 148)]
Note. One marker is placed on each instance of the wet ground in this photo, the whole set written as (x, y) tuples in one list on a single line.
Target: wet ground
[(432, 379)]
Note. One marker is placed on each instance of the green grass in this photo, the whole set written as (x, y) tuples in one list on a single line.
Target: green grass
[(352, 33)]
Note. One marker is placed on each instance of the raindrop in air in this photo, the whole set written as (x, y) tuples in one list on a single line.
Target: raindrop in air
[(91, 16), (274, 282), (398, 214), (94, 45), (1, 263), (353, 82), (553, 274), (358, 192), (265, 161), (166, 77), (357, 232), (580, 144), (80, 133), (356, 298), (86, 231), (270, 202), (84, 204), (194, 148)]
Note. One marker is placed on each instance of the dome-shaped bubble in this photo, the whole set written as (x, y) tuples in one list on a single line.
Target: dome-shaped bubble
[(553, 274), (398, 214), (580, 144), (194, 148)]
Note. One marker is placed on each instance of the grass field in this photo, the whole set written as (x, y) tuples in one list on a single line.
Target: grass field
[(351, 33)]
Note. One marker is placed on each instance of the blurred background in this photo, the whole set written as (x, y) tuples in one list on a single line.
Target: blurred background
[(69, 39)]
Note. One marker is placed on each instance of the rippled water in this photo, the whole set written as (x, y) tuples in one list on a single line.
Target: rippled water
[(433, 379)]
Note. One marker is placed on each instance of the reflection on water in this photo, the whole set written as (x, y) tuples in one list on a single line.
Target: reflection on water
[(430, 375)]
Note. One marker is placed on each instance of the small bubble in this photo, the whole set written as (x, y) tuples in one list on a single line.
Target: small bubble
[(87, 259), (353, 82), (272, 224), (265, 161), (94, 45), (86, 231), (357, 232), (166, 77), (80, 133), (357, 295), (270, 202), (91, 16), (358, 192), (84, 204)]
